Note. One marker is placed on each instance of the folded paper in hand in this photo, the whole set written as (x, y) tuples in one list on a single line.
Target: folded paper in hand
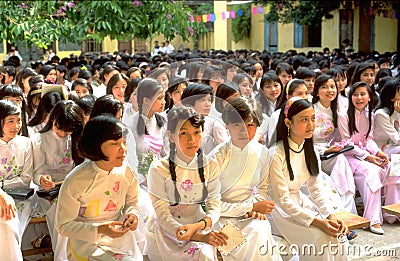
[(236, 238)]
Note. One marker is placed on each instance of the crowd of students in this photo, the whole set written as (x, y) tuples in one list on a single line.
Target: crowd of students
[(156, 154)]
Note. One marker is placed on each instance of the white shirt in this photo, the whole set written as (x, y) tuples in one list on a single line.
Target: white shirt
[(244, 178), (16, 162), (190, 189), (286, 193), (388, 128), (52, 156), (100, 90)]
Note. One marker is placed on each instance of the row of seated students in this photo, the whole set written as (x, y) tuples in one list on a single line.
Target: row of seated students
[(164, 214)]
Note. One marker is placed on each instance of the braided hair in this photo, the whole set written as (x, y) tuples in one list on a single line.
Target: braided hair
[(148, 88), (175, 115)]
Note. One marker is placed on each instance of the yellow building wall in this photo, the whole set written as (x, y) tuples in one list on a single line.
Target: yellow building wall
[(242, 44), (221, 27), (285, 37), (257, 32), (385, 34), (330, 32), (110, 45), (206, 41), (63, 54), (329, 36)]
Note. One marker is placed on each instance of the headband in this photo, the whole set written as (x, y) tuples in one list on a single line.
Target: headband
[(36, 91), (288, 85), (289, 103)]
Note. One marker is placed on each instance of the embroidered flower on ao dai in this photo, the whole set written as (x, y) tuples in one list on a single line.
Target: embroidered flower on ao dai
[(187, 185)]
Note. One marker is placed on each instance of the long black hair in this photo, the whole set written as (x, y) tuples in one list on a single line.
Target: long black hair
[(7, 108), (148, 88), (175, 115), (268, 78), (351, 109), (283, 134), (388, 92), (67, 116), (13, 90), (319, 82)]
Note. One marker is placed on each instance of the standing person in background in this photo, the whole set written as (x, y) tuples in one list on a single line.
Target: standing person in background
[(156, 48), (13, 52), (170, 47), (163, 48)]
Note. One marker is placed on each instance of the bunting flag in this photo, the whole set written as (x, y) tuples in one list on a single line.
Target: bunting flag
[(212, 17), (385, 13), (260, 10)]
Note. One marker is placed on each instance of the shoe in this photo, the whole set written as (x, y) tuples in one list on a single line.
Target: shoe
[(351, 235), (376, 230), (43, 241)]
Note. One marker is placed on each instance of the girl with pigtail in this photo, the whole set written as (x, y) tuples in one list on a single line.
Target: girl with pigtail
[(178, 185), (147, 125)]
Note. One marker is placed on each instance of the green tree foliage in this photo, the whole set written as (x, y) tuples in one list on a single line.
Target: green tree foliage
[(41, 22), (303, 12), (309, 12), (241, 25)]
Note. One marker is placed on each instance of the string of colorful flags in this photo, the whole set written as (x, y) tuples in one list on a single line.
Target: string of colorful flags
[(255, 10), (258, 10), (384, 12)]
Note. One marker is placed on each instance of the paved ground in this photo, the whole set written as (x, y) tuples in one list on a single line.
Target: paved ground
[(367, 246), (378, 247)]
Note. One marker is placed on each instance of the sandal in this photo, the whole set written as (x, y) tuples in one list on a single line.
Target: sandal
[(351, 235), (43, 241)]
